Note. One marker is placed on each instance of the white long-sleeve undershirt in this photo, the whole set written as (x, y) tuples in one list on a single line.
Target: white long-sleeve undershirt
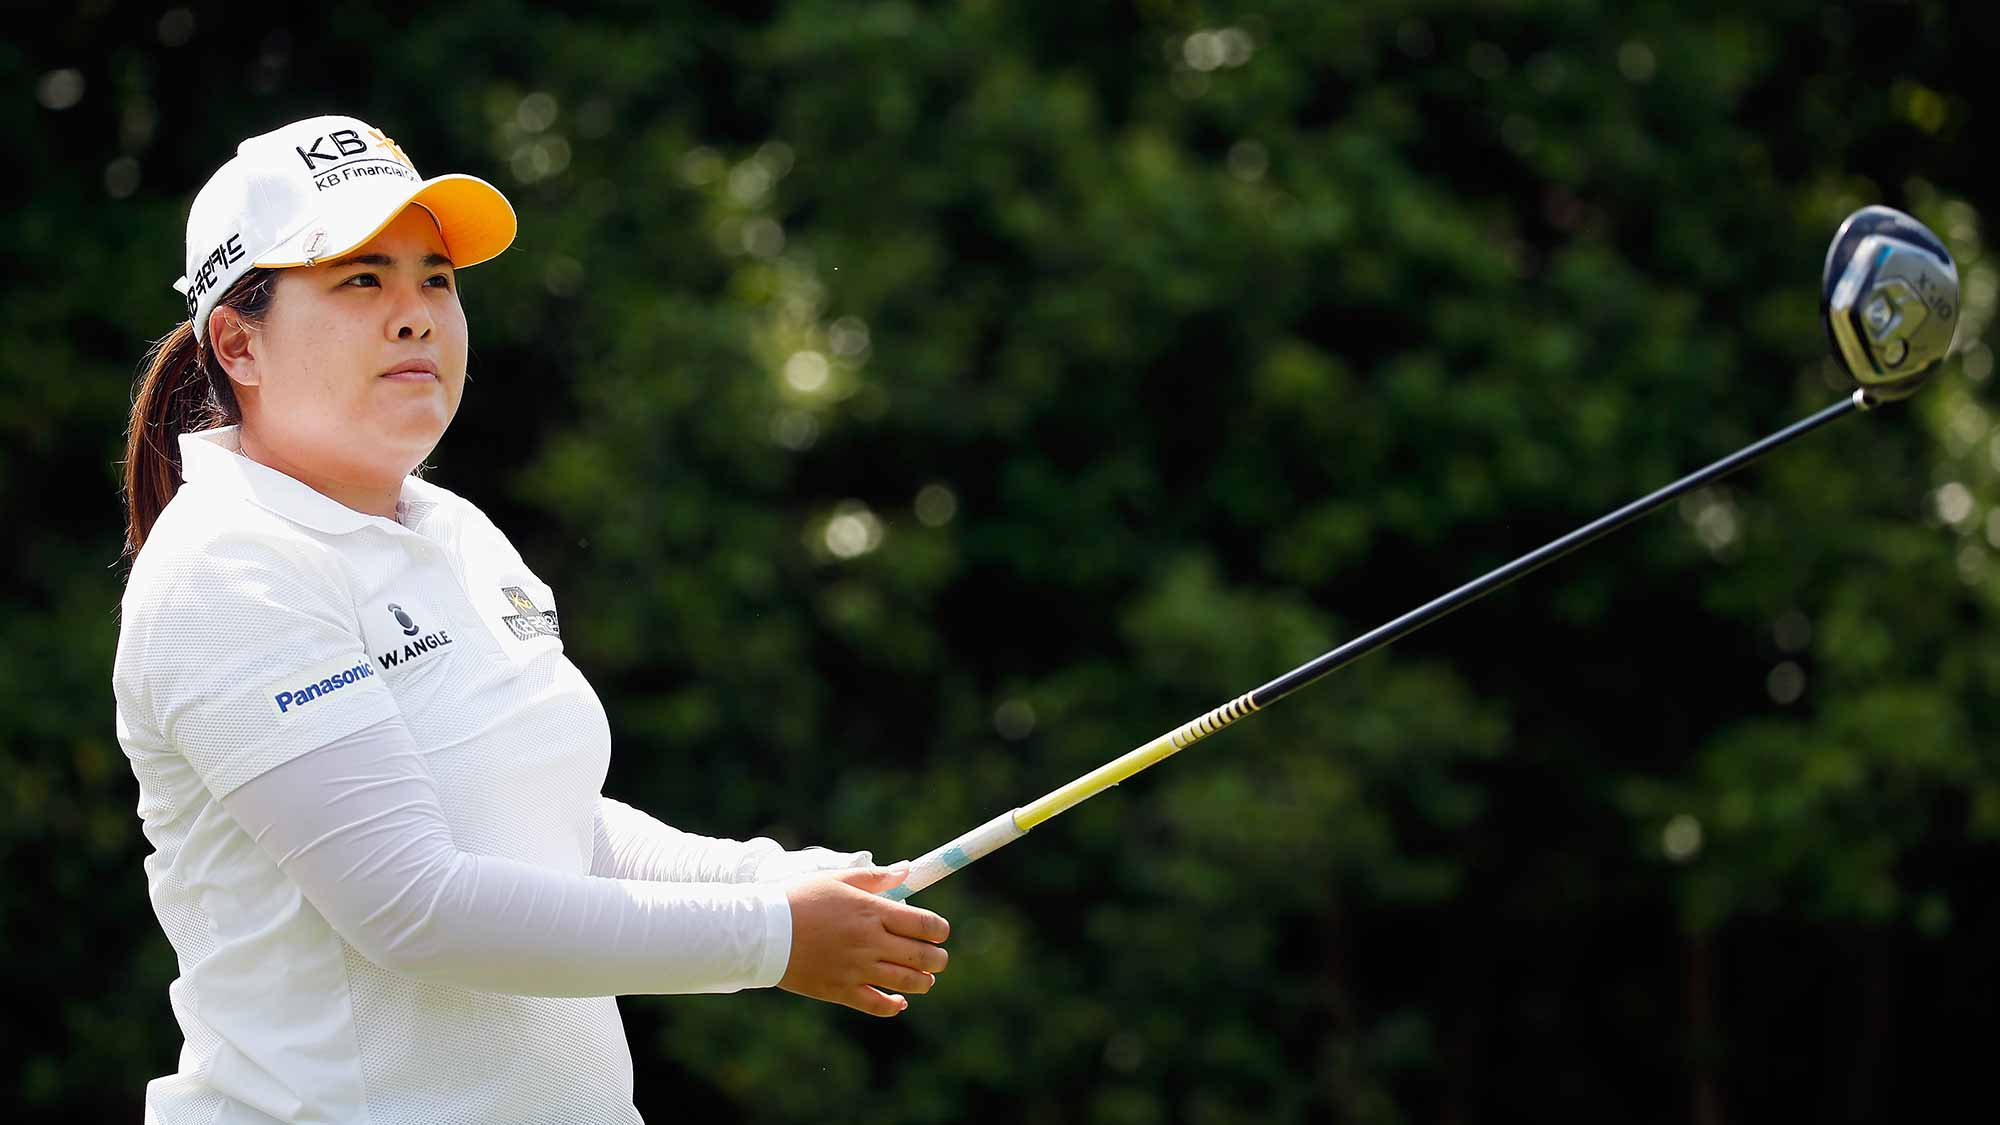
[(630, 844), (357, 826)]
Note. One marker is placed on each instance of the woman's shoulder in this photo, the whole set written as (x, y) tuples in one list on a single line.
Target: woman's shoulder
[(215, 578), (202, 542)]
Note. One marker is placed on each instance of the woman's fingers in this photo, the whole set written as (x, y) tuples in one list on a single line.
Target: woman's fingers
[(901, 978), (875, 1002), (915, 922), (874, 880), (918, 955)]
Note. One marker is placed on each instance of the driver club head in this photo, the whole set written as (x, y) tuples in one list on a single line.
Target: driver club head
[(1889, 295)]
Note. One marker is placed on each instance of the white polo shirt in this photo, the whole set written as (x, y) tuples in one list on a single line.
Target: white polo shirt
[(262, 621)]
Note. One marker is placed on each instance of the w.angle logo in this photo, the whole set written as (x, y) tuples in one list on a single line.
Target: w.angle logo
[(409, 624), (530, 622)]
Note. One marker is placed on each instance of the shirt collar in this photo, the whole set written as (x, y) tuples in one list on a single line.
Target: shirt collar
[(215, 458)]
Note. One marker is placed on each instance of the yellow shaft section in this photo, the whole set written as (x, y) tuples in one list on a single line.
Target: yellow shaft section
[(1120, 768)]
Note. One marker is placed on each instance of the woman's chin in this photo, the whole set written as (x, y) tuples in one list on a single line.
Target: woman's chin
[(410, 443), (415, 420)]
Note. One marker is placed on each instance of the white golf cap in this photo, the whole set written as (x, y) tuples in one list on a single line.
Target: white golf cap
[(318, 189)]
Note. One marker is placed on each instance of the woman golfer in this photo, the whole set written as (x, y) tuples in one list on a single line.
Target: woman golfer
[(369, 774)]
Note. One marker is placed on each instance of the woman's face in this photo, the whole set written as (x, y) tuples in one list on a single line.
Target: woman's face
[(360, 362)]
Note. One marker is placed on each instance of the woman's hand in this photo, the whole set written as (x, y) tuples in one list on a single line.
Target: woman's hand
[(852, 947), (784, 867)]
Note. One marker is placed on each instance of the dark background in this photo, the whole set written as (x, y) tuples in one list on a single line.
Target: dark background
[(917, 405)]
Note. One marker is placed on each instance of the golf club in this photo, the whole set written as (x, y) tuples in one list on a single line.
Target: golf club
[(1889, 299)]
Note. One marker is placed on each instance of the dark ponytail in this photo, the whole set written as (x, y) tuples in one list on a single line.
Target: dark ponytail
[(182, 389)]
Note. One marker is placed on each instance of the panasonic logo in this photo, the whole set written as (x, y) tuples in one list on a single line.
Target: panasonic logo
[(303, 688)]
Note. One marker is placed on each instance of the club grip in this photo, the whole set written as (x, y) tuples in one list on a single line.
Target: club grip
[(941, 861)]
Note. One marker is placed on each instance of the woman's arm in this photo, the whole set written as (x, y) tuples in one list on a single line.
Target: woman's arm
[(633, 845), (356, 824)]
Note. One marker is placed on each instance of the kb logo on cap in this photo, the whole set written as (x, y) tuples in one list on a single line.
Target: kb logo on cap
[(347, 142)]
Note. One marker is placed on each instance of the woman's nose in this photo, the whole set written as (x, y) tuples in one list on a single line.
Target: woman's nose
[(411, 319)]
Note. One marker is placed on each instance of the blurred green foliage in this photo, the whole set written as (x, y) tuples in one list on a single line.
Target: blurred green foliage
[(916, 406)]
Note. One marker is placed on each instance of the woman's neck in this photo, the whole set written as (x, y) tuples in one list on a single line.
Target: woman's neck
[(374, 498)]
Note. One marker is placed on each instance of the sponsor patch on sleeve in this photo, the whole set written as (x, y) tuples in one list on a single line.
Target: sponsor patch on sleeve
[(309, 688)]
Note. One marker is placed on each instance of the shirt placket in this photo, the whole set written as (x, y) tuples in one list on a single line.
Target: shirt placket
[(464, 613)]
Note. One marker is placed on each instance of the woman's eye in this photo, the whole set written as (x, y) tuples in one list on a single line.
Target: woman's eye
[(440, 280), (362, 280)]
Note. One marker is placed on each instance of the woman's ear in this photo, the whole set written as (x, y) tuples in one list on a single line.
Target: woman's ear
[(234, 342)]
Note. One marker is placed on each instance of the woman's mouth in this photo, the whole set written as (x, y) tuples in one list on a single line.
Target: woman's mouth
[(412, 371)]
